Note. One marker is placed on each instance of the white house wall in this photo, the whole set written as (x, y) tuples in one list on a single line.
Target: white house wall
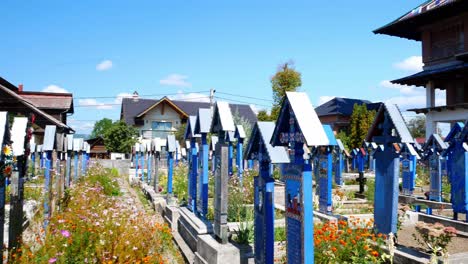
[(170, 115)]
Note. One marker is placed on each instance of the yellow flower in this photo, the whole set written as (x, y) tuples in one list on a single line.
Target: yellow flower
[(7, 150)]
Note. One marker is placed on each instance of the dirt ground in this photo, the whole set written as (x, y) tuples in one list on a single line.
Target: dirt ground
[(405, 238)]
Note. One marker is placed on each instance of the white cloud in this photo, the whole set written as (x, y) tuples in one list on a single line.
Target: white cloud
[(104, 65), (93, 103), (118, 99), (195, 97), (416, 101), (54, 89), (404, 89), (413, 63), (81, 127), (176, 80)]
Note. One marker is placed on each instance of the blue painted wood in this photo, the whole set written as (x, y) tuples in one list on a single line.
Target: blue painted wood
[(203, 196), (325, 179), (339, 168), (48, 169), (170, 168), (192, 204), (143, 157), (68, 169), (230, 157), (250, 164), (83, 163), (408, 167), (435, 173), (137, 163), (239, 158), (33, 163), (150, 169), (75, 156)]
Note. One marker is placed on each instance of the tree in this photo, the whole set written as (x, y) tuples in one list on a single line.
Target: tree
[(100, 127), (286, 79), (360, 123), (263, 116), (240, 120), (120, 137), (344, 137), (417, 126), (180, 133)]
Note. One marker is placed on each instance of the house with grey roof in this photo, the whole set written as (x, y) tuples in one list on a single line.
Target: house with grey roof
[(160, 117), (337, 112)]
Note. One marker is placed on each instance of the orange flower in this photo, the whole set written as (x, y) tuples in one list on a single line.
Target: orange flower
[(333, 249), (375, 253)]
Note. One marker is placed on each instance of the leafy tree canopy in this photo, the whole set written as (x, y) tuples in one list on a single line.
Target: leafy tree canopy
[(100, 127), (286, 79), (120, 137), (360, 123), (417, 126)]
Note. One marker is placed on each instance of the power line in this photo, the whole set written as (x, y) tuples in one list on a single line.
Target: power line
[(239, 101), (244, 96), (130, 96), (112, 104)]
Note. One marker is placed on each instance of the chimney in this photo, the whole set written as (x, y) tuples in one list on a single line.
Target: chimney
[(20, 87), (135, 96)]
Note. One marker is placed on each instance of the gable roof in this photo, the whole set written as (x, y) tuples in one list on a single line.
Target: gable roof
[(262, 132), (203, 123), (343, 106), (330, 135), (409, 25), (163, 100), (190, 128), (222, 118), (375, 132), (46, 101), (133, 107), (437, 141), (306, 118)]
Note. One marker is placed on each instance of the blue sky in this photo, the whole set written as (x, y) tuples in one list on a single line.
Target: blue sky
[(98, 49)]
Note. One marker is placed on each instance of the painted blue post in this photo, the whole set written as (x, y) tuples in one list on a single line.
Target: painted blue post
[(457, 167), (298, 130), (75, 156), (192, 203), (250, 164), (41, 154), (325, 178), (435, 172), (150, 162), (137, 162), (68, 168), (408, 165), (83, 163), (339, 168), (170, 166), (388, 128), (48, 168), (239, 159), (203, 203), (33, 163), (143, 157), (230, 156)]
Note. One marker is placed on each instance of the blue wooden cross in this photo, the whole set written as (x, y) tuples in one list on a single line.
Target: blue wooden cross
[(230, 139), (69, 148), (259, 148), (240, 136), (339, 161), (457, 165), (48, 147), (214, 141), (193, 164), (202, 127), (4, 141), (433, 150), (149, 148), (33, 158), (77, 146), (298, 126), (137, 157), (388, 128)]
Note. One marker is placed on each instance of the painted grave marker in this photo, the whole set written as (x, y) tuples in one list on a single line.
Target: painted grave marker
[(68, 157), (409, 158), (48, 148), (202, 127), (457, 164), (325, 171), (298, 126), (259, 148), (193, 163), (222, 123), (214, 141), (171, 149), (6, 160), (339, 161), (230, 139), (77, 147), (433, 149), (240, 136), (389, 127)]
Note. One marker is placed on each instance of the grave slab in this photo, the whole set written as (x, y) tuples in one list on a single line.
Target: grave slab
[(210, 251), (190, 227)]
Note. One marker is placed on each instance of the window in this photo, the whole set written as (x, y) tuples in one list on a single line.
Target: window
[(160, 125)]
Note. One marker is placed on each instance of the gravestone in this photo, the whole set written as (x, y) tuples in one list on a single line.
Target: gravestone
[(388, 127), (372, 149), (85, 158), (202, 127), (157, 154), (142, 159), (136, 149), (177, 153), (433, 150), (214, 141), (325, 171), (221, 124), (298, 126), (457, 164), (149, 151), (77, 147), (171, 149), (68, 157), (230, 139), (409, 158), (339, 161), (20, 148), (193, 163), (360, 162), (5, 159), (259, 148), (33, 158), (240, 136)]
